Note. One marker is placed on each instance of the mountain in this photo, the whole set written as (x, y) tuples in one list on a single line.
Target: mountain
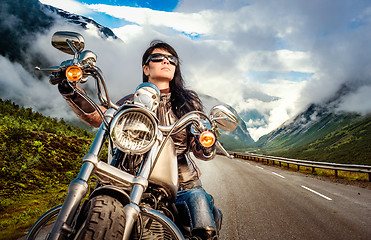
[(315, 122), (319, 127), (322, 133), (240, 138), (82, 21), (312, 124), (22, 20), (348, 144)]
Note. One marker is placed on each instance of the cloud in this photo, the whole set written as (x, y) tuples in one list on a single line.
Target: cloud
[(195, 5), (19, 85), (358, 101), (71, 6), (183, 22), (261, 57), (277, 61), (128, 32)]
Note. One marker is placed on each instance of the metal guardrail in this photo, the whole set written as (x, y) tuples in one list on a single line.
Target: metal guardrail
[(323, 165)]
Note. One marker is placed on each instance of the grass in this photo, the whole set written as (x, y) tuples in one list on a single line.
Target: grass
[(39, 157), (22, 210)]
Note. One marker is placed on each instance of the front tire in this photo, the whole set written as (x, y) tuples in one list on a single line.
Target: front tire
[(43, 225), (105, 219)]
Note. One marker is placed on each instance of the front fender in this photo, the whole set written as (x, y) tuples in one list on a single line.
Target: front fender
[(112, 191)]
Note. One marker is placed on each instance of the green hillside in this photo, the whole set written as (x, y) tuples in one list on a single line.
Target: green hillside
[(230, 143), (289, 137), (39, 157), (347, 144)]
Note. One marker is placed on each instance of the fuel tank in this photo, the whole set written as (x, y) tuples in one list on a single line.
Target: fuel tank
[(165, 172)]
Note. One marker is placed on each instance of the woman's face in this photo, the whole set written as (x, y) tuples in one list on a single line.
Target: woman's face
[(160, 73)]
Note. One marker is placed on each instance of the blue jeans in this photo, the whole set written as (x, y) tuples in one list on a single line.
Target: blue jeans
[(197, 206)]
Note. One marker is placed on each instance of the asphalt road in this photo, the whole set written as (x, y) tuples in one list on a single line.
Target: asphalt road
[(266, 202)]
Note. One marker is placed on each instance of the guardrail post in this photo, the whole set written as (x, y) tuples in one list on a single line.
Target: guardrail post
[(298, 168), (336, 173)]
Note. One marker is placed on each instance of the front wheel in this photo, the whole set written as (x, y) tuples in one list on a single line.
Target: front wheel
[(105, 219), (43, 225)]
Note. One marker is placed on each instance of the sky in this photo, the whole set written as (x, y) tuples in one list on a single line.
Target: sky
[(269, 59)]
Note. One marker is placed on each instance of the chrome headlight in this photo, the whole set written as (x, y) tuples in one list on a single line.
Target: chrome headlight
[(134, 130)]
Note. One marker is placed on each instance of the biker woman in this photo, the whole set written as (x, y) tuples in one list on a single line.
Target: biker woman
[(161, 67)]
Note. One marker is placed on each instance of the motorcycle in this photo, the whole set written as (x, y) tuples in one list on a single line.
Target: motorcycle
[(136, 187)]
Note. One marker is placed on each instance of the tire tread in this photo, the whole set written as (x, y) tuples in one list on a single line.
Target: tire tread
[(105, 219)]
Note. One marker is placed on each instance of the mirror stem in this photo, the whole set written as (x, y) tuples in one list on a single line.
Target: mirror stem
[(74, 50)]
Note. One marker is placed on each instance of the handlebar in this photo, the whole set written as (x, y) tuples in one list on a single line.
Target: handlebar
[(183, 122), (48, 69), (192, 117)]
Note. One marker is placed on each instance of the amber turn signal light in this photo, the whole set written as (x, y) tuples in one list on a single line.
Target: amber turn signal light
[(207, 139), (73, 73)]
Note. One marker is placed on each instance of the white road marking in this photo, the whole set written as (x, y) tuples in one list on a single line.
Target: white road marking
[(316, 193), (278, 175), (259, 167)]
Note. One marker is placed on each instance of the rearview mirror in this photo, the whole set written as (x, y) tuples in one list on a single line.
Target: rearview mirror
[(224, 118), (68, 42)]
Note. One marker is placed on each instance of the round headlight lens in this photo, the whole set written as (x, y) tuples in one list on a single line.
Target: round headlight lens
[(134, 131)]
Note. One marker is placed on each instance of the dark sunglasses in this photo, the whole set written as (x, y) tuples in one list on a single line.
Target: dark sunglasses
[(159, 57)]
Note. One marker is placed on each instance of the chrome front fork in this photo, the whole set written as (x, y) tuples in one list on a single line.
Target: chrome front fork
[(78, 187), (77, 190), (132, 210)]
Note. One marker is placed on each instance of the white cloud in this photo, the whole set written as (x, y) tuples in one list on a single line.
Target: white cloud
[(71, 6), (277, 61), (358, 101), (183, 22), (128, 32), (17, 84), (275, 112)]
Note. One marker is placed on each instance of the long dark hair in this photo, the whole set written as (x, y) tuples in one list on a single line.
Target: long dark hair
[(182, 99)]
